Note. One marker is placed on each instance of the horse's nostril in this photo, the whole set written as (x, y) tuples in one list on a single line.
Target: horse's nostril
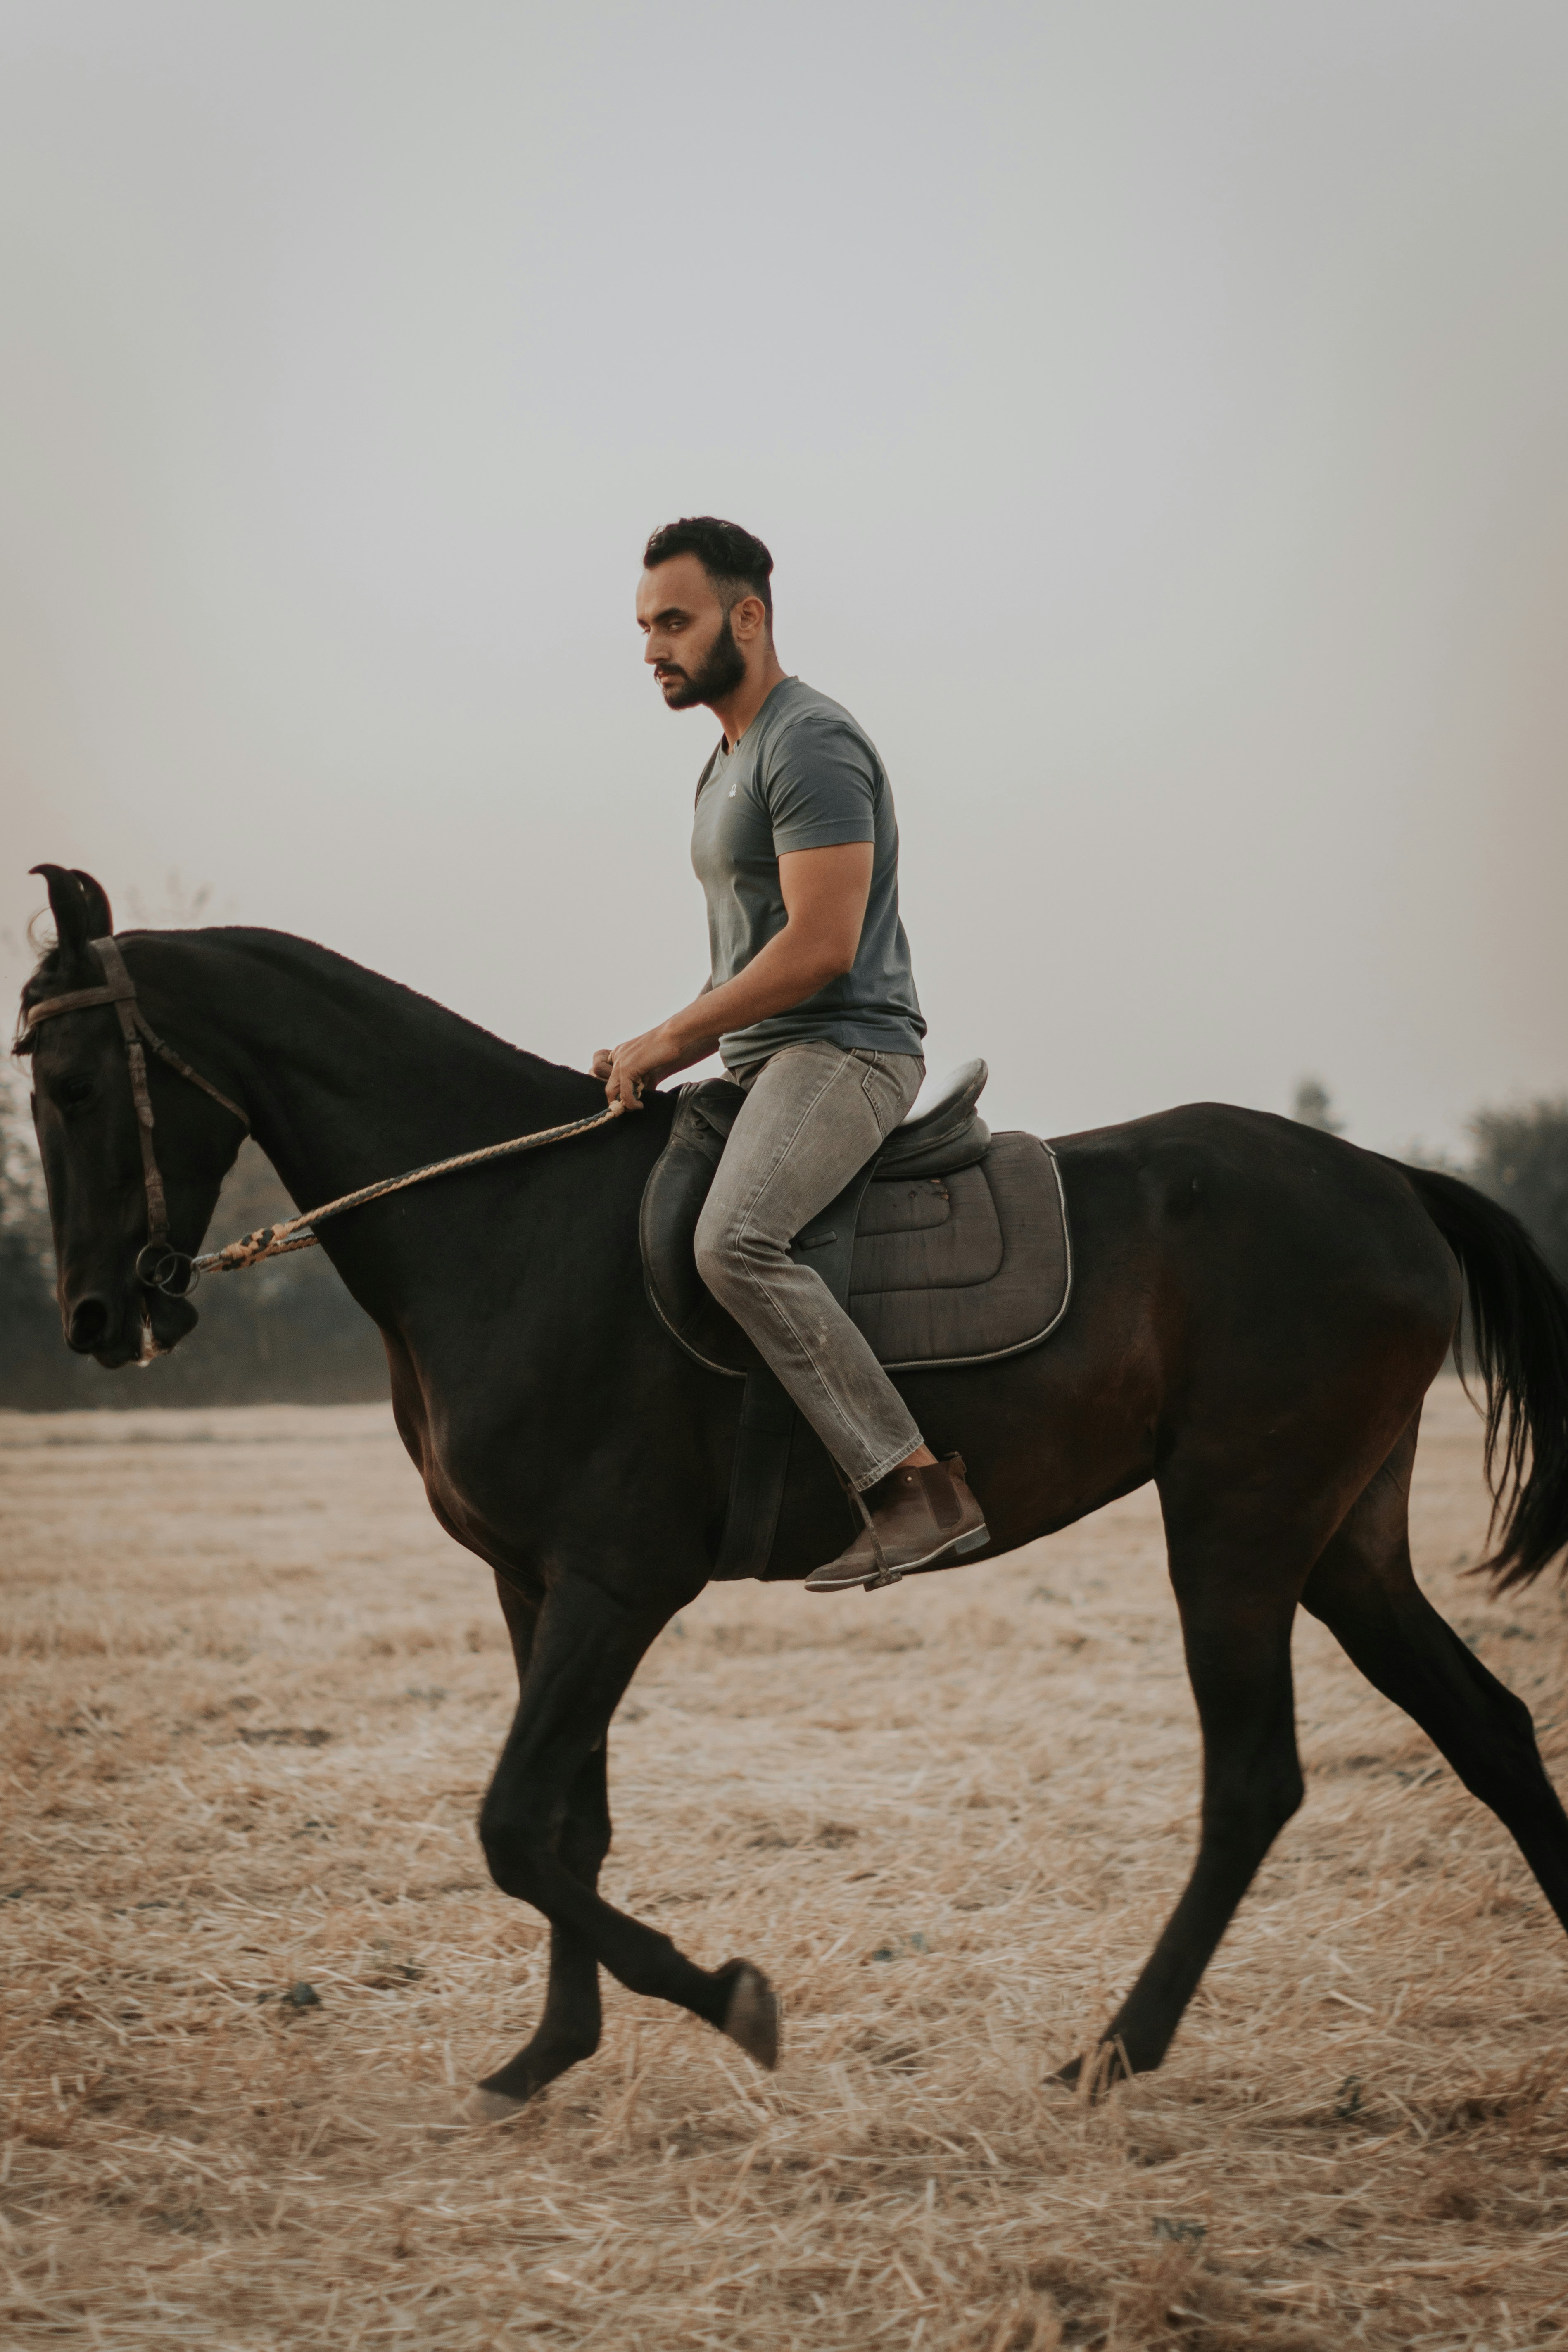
[(88, 1324)]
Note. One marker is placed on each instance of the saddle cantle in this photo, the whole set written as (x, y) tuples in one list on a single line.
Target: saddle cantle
[(951, 1247)]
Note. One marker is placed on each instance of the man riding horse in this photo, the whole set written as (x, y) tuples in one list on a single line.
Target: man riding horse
[(1258, 1311), (811, 1002)]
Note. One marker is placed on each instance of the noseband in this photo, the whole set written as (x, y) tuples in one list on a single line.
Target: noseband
[(158, 1265)]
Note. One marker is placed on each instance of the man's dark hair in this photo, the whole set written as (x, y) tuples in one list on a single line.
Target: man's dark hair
[(737, 563)]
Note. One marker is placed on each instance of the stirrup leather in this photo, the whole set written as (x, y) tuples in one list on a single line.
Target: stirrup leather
[(885, 1575)]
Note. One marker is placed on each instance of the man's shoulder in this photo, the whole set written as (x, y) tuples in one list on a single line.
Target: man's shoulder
[(803, 711)]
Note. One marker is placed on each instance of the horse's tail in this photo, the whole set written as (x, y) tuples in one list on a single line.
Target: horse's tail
[(1518, 1332)]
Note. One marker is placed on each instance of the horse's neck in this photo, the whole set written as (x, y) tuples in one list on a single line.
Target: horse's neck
[(346, 1077)]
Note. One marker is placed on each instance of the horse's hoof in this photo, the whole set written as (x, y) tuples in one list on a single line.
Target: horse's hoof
[(482, 2107), (1094, 2074), (752, 2017)]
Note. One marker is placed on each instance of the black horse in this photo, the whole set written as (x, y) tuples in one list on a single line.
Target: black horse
[(1259, 1311)]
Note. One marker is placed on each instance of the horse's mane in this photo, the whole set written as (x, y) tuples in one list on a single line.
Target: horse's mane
[(286, 953)]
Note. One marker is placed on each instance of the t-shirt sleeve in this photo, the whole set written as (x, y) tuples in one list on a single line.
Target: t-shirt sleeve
[(821, 787)]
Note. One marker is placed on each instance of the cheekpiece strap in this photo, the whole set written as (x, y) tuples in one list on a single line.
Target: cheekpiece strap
[(122, 994)]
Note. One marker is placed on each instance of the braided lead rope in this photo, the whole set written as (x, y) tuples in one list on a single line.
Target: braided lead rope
[(298, 1233)]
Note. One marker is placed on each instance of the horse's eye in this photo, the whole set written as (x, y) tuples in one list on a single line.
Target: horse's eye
[(76, 1091)]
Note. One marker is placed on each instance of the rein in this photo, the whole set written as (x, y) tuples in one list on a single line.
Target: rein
[(297, 1233), (159, 1266)]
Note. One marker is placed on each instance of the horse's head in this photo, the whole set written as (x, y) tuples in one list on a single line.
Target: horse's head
[(87, 1132)]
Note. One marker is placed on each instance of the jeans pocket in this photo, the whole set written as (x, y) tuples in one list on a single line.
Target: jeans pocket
[(882, 1087)]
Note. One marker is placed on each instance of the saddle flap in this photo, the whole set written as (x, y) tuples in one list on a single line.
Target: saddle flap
[(671, 1204), (967, 1267)]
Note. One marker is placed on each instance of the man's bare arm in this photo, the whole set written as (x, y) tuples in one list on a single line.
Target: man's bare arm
[(825, 893)]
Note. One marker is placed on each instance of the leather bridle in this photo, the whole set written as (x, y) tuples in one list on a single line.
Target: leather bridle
[(159, 1266)]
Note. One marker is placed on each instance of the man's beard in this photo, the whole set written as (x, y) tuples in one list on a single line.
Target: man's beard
[(723, 669)]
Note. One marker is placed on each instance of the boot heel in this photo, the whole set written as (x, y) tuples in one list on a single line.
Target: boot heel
[(967, 1544)]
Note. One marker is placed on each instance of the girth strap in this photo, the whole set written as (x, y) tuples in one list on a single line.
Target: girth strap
[(757, 1477)]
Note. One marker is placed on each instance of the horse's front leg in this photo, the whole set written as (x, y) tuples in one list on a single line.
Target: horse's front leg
[(569, 2026), (544, 1825)]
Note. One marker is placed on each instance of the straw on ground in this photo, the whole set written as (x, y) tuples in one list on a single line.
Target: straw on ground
[(251, 1698)]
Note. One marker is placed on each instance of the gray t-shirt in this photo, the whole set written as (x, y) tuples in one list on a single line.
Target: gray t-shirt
[(804, 775)]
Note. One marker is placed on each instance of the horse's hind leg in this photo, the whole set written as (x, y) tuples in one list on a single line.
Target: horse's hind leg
[(1365, 1592), (1237, 1598)]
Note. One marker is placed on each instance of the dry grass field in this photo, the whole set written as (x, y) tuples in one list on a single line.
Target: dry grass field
[(251, 1695)]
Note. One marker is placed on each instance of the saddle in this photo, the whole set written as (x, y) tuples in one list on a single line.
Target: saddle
[(949, 1248)]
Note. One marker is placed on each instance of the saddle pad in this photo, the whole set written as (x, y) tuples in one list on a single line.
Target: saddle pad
[(958, 1268), (962, 1268)]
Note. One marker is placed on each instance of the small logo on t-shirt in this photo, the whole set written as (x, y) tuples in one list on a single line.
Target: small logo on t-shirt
[(733, 781)]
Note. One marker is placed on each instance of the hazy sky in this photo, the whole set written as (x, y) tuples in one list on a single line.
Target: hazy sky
[(1156, 413)]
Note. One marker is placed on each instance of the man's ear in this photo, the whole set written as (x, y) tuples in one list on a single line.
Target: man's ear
[(68, 905), (748, 618)]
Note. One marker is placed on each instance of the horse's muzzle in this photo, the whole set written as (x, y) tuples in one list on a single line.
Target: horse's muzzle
[(116, 1332)]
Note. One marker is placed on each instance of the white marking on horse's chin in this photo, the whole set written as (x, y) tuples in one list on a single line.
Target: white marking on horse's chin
[(149, 1348)]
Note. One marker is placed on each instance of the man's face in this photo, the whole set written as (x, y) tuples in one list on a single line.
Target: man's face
[(690, 645)]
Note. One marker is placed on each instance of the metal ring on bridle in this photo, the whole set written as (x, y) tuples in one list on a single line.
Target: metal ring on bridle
[(171, 1271)]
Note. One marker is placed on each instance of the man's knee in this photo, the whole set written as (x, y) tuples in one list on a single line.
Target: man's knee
[(725, 1251)]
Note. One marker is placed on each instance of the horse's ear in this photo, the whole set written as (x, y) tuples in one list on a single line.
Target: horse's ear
[(99, 914), (74, 909)]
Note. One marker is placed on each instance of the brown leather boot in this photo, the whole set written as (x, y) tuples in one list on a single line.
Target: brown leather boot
[(923, 1518)]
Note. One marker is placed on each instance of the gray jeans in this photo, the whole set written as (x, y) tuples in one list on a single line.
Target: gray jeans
[(813, 1115)]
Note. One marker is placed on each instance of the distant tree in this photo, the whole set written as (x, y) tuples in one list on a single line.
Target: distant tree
[(23, 1210), (1521, 1158), (1315, 1107), (182, 905), (33, 1365)]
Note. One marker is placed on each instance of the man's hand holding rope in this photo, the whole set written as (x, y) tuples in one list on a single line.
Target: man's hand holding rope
[(643, 1061)]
